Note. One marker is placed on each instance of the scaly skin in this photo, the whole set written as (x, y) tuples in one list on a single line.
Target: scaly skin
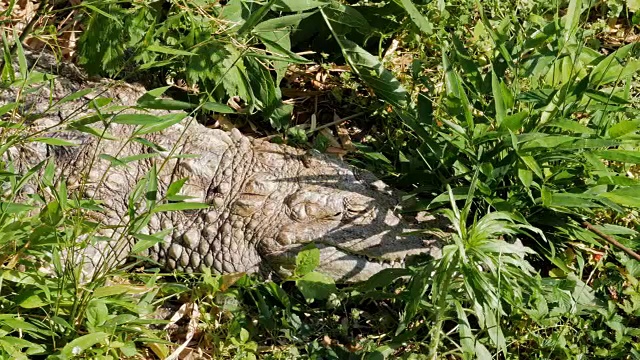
[(266, 200)]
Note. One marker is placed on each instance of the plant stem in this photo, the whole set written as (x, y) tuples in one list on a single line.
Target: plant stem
[(441, 308)]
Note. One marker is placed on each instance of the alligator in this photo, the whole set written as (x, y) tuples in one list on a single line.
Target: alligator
[(264, 201)]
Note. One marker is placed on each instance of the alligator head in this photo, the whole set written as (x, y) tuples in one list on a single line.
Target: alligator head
[(269, 201)]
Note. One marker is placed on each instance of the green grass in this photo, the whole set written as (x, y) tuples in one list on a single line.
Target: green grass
[(517, 121)]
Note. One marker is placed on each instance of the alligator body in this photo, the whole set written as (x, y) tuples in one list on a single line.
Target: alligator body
[(266, 201)]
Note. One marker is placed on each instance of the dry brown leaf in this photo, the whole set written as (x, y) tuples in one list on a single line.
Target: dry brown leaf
[(337, 151), (230, 279), (222, 122), (326, 340), (333, 142), (312, 69), (69, 41), (345, 138), (317, 84), (187, 309)]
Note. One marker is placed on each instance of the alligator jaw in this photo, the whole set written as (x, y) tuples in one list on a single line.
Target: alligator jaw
[(357, 260), (354, 261)]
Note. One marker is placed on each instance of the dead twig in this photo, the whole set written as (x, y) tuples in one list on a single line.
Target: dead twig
[(609, 239)]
